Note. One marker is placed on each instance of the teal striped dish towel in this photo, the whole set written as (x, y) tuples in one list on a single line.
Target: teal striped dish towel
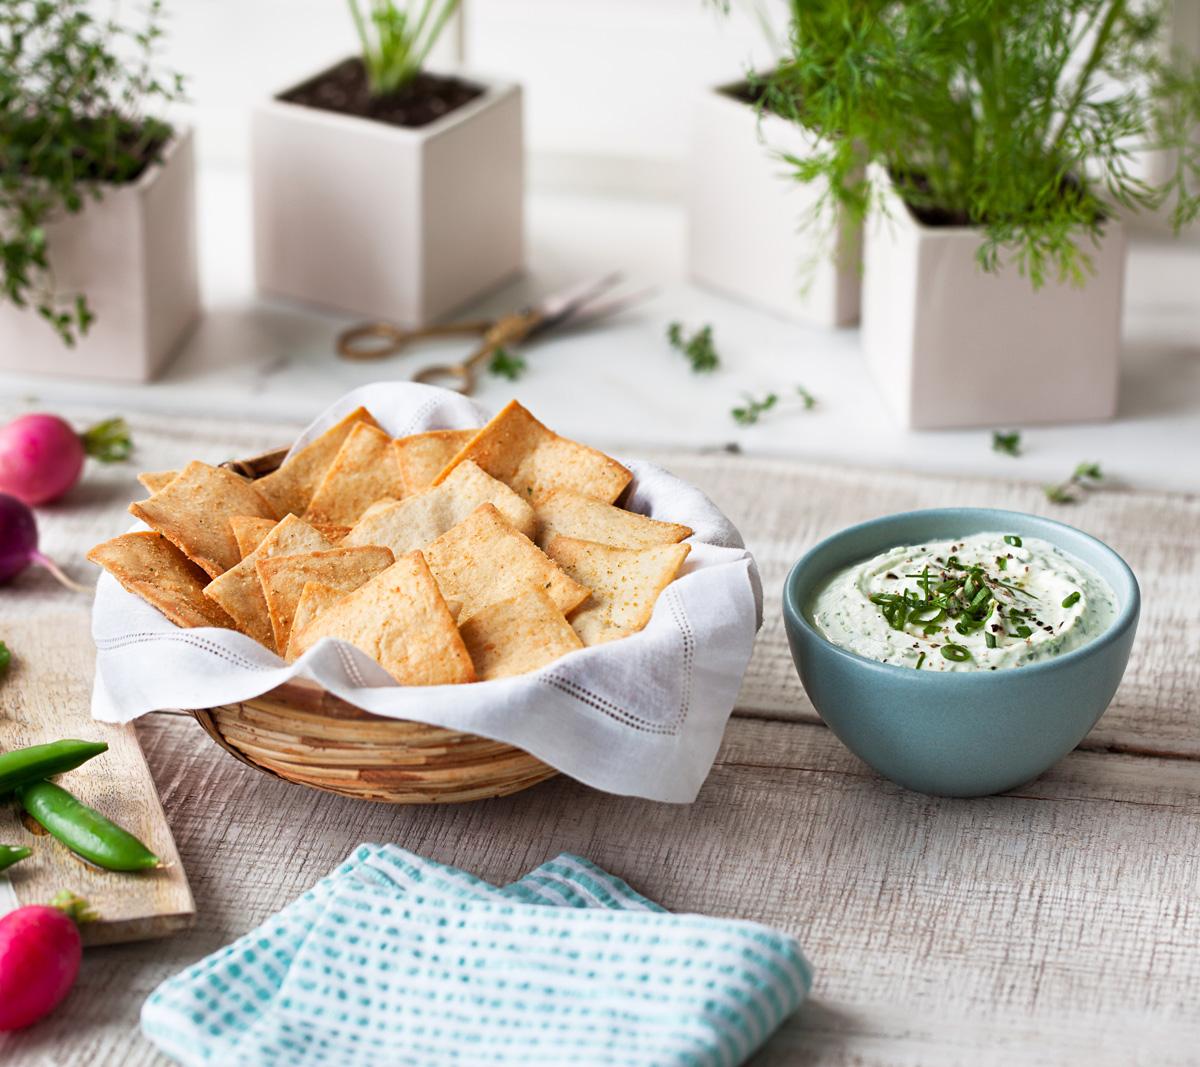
[(395, 960)]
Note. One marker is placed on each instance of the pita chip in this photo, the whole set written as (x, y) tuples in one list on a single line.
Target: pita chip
[(148, 565), (153, 481), (563, 512), (484, 560), (291, 487), (416, 520), (625, 583), (423, 455), (249, 530), (518, 635), (532, 459), (364, 470), (283, 579), (314, 599), (399, 619), (239, 590), (194, 510)]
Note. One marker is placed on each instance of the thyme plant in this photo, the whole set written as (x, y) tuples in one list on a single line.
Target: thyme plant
[(75, 96), (397, 40), (1020, 117)]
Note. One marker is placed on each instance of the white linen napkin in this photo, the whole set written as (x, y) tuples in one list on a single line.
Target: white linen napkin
[(642, 716)]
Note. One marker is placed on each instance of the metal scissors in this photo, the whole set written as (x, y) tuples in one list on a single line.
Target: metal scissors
[(578, 304)]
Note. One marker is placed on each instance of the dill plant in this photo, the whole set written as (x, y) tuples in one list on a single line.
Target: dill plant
[(1020, 117), (74, 97), (397, 40)]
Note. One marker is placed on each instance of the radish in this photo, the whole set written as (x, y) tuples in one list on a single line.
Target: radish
[(41, 456), (40, 950), (19, 544)]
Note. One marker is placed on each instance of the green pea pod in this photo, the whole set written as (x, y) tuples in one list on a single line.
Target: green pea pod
[(43, 761), (84, 830), (10, 854)]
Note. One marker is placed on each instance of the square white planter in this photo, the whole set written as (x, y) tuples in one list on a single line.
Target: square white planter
[(952, 345), (385, 221), (134, 254), (748, 231)]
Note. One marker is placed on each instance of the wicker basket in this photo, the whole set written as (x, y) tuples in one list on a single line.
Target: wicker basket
[(303, 734)]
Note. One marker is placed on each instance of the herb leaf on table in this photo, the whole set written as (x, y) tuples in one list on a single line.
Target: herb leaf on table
[(749, 413), (698, 348), (1085, 476), (505, 364), (1008, 443)]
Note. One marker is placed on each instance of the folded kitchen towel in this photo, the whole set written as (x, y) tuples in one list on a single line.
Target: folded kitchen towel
[(393, 959)]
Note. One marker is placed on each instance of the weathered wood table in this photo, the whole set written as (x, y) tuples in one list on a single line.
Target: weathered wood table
[(1059, 923)]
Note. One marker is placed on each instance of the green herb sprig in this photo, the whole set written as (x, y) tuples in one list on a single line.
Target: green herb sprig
[(1085, 477), (698, 348), (397, 40), (1008, 443), (505, 364), (77, 96), (749, 413), (1016, 117)]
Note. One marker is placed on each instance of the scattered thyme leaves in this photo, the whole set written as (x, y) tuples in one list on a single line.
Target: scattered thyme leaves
[(505, 364), (806, 398), (698, 348), (749, 413), (1008, 443), (1085, 477)]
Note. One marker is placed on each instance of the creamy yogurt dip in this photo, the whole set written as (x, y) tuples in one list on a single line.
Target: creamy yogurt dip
[(984, 602)]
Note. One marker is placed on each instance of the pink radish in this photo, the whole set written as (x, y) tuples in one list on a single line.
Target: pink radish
[(40, 950), (41, 456), (19, 544)]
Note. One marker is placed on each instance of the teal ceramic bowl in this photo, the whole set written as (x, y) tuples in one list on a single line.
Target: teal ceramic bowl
[(962, 733)]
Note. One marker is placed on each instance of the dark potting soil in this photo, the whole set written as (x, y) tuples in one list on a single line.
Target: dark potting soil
[(344, 89)]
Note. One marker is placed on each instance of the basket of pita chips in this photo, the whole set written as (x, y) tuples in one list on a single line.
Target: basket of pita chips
[(416, 604)]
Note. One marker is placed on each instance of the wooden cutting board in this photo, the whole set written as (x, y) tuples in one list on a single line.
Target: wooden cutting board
[(46, 696)]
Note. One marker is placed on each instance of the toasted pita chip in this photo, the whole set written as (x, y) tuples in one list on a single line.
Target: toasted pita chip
[(415, 521), (525, 455), (249, 530), (565, 513), (283, 579), (239, 590), (147, 564), (625, 583), (483, 560), (156, 480), (379, 505), (423, 455), (292, 486), (193, 513), (364, 470), (400, 619), (518, 635), (314, 599)]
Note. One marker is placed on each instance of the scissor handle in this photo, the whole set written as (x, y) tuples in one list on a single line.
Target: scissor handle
[(457, 376), (377, 340)]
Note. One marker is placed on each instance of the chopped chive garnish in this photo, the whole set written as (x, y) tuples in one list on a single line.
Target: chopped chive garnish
[(989, 639), (1072, 600), (1002, 563), (1023, 631), (1012, 539), (920, 660), (955, 653)]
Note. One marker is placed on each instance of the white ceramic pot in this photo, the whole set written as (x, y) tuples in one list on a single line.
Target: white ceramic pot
[(385, 221), (749, 231), (134, 254), (952, 345)]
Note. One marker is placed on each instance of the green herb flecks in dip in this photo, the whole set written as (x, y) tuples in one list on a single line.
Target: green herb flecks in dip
[(984, 602)]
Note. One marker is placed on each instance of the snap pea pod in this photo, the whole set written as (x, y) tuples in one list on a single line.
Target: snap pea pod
[(10, 854), (84, 830), (42, 761)]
